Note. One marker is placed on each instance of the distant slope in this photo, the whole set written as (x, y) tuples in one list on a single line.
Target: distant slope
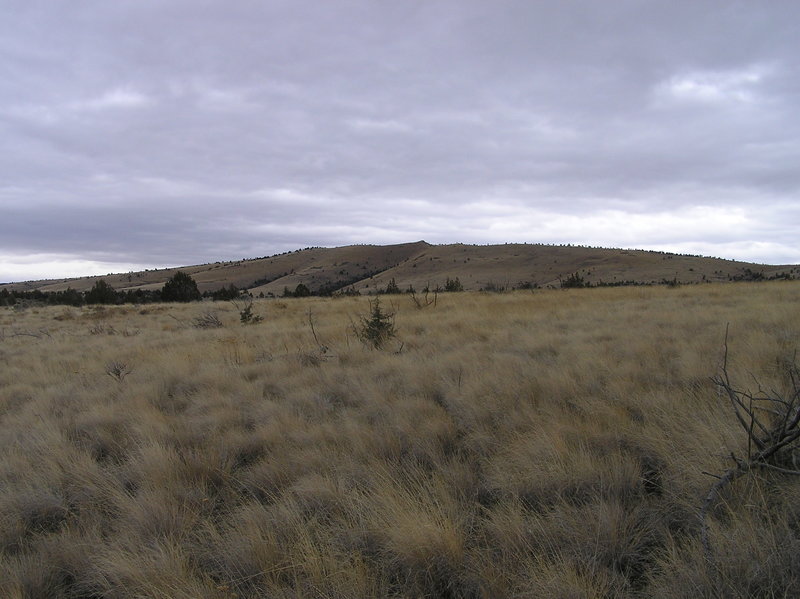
[(314, 267), (512, 265), (371, 267)]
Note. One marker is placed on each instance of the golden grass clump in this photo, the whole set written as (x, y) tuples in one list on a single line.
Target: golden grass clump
[(525, 444)]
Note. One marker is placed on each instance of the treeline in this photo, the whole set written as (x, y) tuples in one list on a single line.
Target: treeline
[(72, 297), (753, 275), (181, 287), (575, 280)]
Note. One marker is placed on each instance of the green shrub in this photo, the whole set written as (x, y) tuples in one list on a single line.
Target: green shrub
[(377, 328), (101, 293), (573, 281), (180, 288), (453, 285), (231, 292), (392, 288), (246, 315)]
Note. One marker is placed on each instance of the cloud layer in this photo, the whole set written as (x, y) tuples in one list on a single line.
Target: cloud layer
[(140, 133)]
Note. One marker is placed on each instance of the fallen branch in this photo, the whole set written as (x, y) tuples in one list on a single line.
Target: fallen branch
[(118, 370), (37, 335), (424, 302), (773, 435), (208, 320)]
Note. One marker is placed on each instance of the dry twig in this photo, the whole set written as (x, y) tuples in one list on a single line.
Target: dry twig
[(118, 370), (209, 320), (317, 356), (15, 333)]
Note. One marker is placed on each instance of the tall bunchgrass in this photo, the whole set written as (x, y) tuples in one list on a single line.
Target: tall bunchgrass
[(545, 444)]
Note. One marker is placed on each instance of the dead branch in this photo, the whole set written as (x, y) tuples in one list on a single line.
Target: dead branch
[(311, 324), (320, 354), (775, 435), (424, 302), (35, 334), (118, 370), (208, 320)]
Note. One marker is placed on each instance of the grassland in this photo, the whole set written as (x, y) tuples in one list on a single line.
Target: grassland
[(518, 445)]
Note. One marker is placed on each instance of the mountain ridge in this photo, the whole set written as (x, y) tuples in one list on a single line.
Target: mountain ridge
[(368, 268)]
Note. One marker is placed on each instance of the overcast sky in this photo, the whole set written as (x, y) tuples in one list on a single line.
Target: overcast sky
[(140, 133)]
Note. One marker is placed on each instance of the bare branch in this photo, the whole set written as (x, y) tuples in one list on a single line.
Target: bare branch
[(37, 335), (209, 320), (118, 370), (775, 440), (311, 323)]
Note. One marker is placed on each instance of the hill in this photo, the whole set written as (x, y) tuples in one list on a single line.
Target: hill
[(420, 264)]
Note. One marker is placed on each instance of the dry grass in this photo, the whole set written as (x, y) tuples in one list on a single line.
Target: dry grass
[(546, 444)]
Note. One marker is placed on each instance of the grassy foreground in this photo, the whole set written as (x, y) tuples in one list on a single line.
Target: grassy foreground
[(545, 444)]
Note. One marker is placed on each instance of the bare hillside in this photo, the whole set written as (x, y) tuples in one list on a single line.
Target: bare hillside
[(513, 265)]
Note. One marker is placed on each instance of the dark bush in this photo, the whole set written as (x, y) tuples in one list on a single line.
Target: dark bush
[(377, 328), (101, 293), (301, 291), (573, 281), (392, 287), (180, 288), (224, 294), (453, 285)]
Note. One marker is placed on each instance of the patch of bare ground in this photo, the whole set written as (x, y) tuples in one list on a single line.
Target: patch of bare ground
[(527, 444)]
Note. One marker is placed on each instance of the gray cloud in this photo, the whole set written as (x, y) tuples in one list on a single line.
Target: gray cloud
[(144, 132)]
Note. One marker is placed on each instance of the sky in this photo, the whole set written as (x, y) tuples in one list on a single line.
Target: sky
[(147, 133)]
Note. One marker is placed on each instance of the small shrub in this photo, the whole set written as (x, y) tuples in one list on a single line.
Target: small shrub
[(301, 291), (247, 317), (453, 285), (392, 288), (377, 328), (573, 281), (245, 308)]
